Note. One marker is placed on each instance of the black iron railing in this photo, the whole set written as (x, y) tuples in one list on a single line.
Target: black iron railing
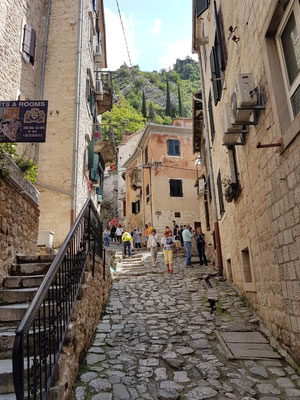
[(40, 335)]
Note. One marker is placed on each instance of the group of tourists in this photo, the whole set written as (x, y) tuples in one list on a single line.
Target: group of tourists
[(172, 240)]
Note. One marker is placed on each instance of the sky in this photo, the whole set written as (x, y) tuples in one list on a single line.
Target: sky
[(157, 31)]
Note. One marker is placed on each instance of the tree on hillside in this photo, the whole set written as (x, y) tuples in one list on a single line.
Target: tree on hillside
[(180, 111), (152, 113), (144, 105), (168, 101), (122, 117)]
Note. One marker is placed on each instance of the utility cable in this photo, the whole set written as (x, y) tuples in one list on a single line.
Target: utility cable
[(124, 33)]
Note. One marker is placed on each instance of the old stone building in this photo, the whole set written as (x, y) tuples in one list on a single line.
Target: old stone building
[(249, 56), (160, 179), (124, 151), (62, 63)]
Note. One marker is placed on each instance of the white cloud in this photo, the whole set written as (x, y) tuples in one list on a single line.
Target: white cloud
[(179, 49), (115, 43), (156, 28)]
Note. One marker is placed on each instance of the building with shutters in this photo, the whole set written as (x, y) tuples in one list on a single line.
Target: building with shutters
[(160, 178), (57, 51), (249, 54)]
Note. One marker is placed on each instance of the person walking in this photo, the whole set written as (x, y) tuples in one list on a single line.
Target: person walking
[(106, 237), (187, 236), (180, 234), (167, 243), (119, 233), (146, 235), (113, 233), (201, 246), (152, 246), (137, 238), (176, 235), (127, 240)]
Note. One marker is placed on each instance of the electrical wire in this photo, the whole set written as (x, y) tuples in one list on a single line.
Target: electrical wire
[(124, 33)]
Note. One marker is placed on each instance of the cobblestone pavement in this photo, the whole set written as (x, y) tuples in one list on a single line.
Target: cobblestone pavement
[(157, 340)]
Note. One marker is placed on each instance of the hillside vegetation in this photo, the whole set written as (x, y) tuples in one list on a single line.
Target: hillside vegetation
[(157, 97)]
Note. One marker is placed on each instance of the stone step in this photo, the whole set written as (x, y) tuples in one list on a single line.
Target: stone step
[(12, 296), (12, 312), (47, 258), (8, 396), (23, 281), (6, 377), (29, 269)]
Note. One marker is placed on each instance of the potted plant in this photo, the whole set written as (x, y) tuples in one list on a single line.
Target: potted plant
[(231, 189)]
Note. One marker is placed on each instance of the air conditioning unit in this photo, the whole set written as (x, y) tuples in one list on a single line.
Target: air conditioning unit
[(99, 90), (230, 139), (98, 54), (228, 127), (244, 95)]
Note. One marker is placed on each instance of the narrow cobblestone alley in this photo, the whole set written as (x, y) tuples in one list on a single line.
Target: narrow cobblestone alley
[(157, 340)]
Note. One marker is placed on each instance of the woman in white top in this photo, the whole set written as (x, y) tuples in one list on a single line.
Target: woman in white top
[(152, 246), (119, 233)]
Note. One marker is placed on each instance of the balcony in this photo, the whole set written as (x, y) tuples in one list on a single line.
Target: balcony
[(103, 91), (104, 141)]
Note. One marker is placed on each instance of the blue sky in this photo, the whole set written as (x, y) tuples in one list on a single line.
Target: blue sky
[(158, 32)]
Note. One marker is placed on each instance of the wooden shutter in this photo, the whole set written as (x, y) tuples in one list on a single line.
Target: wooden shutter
[(94, 172), (201, 6), (211, 118), (219, 38), (170, 146), (146, 155), (91, 146), (176, 188), (29, 42), (215, 75), (176, 148), (220, 193)]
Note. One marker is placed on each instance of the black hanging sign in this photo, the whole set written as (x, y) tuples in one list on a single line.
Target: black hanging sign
[(23, 121)]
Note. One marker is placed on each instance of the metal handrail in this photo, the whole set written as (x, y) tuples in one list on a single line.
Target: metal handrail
[(41, 332)]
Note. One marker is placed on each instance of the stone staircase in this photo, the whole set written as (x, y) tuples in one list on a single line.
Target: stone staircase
[(16, 294)]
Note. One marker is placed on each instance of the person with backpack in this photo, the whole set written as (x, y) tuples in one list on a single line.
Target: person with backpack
[(201, 246), (113, 233), (127, 240)]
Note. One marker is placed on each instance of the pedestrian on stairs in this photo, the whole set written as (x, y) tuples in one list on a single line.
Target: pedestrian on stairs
[(119, 233), (152, 246), (167, 243), (137, 238), (106, 237), (187, 235), (127, 240), (201, 246)]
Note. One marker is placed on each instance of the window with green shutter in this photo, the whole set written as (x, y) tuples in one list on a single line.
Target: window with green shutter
[(173, 147), (211, 117), (220, 193), (91, 147), (94, 171), (215, 75)]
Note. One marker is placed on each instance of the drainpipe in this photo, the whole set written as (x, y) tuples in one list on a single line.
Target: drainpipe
[(211, 174), (37, 145), (143, 203), (76, 126)]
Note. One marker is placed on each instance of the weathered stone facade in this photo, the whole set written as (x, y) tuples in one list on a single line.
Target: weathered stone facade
[(260, 231), (19, 224), (93, 295), (63, 174)]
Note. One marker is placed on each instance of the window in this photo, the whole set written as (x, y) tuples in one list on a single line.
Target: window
[(135, 207), (147, 194), (209, 188), (288, 43), (146, 155), (215, 75), (177, 214), (220, 193), (201, 6), (95, 6), (124, 208), (173, 147), (91, 97), (229, 270), (206, 207), (211, 118), (29, 43), (176, 188), (233, 166), (246, 266)]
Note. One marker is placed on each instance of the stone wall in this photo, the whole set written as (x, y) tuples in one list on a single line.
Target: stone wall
[(19, 223), (93, 295), (262, 224)]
